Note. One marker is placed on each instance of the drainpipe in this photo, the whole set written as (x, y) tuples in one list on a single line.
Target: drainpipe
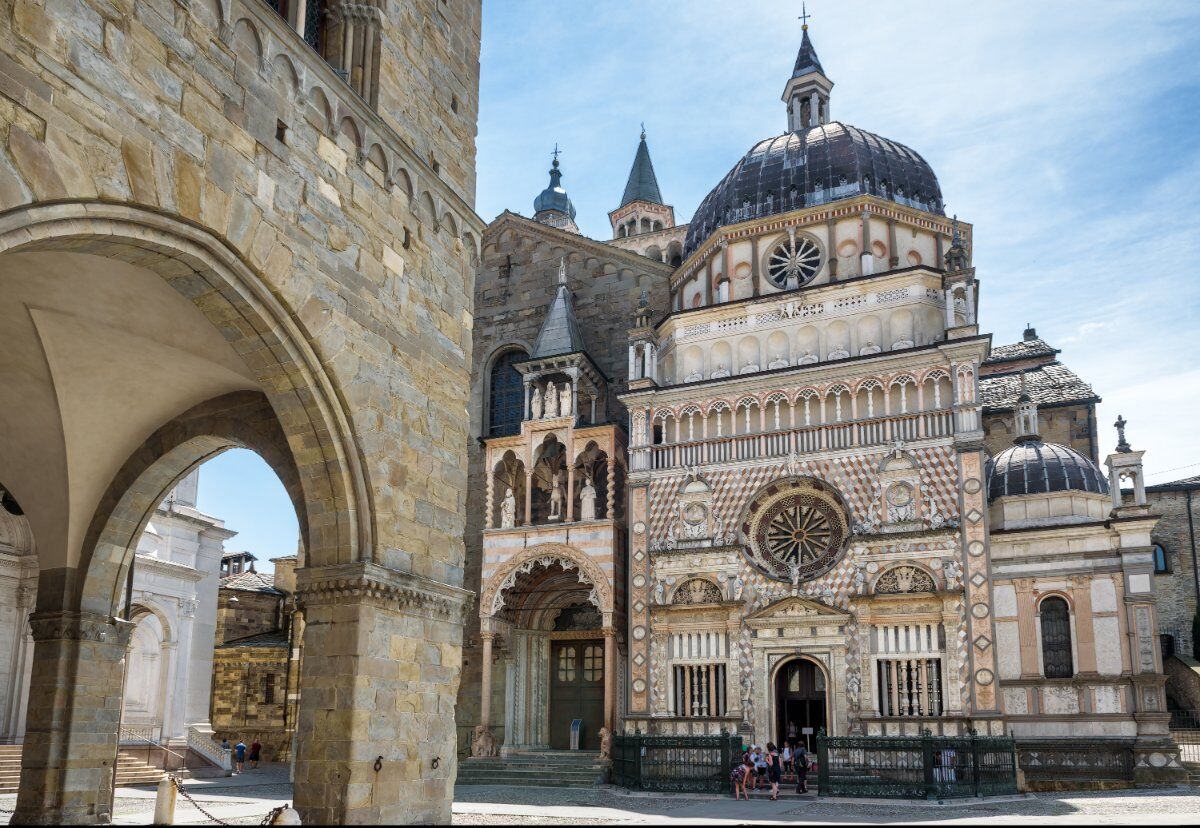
[(1192, 538)]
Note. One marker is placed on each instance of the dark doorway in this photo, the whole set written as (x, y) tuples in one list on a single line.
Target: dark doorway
[(576, 692), (799, 701)]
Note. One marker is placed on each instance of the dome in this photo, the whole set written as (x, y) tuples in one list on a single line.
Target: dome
[(554, 197), (814, 166), (1034, 467)]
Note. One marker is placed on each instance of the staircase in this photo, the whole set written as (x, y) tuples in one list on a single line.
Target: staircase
[(131, 770), (546, 769), (1193, 769)]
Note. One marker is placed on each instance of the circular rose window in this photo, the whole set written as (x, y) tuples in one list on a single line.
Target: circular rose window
[(795, 529), (794, 262)]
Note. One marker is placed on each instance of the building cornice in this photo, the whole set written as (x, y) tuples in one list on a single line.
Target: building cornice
[(392, 589), (583, 243)]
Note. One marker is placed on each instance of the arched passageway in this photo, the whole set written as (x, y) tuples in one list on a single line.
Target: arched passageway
[(139, 347)]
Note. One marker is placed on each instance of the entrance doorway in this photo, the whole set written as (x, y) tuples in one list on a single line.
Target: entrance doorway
[(576, 692), (799, 702)]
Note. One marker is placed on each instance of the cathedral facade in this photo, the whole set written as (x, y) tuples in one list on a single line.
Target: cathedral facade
[(764, 473)]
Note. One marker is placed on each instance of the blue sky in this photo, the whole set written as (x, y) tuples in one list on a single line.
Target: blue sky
[(1066, 132)]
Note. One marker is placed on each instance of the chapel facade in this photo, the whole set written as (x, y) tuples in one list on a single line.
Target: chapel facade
[(826, 502)]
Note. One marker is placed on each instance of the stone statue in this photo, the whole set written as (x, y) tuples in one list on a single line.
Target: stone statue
[(483, 745), (739, 586), (564, 401), (535, 404), (795, 572), (860, 581), (605, 744), (778, 362), (587, 501), (950, 571), (660, 596), (508, 510), (551, 401), (556, 496)]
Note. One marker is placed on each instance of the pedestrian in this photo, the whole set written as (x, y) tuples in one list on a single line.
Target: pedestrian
[(239, 751), (774, 769), (792, 733), (786, 756), (255, 753), (739, 776), (801, 764), (760, 767)]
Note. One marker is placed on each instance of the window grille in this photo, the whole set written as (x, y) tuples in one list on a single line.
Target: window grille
[(908, 669), (1056, 639), (699, 690)]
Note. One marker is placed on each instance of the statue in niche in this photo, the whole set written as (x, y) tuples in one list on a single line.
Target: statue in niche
[(660, 593), (556, 496), (795, 579), (483, 744), (551, 401), (587, 501), (860, 581), (778, 362), (564, 400), (869, 348), (808, 359), (535, 403), (508, 510), (739, 586), (951, 572)]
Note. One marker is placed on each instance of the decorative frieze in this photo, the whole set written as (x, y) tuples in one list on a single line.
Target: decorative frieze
[(390, 588)]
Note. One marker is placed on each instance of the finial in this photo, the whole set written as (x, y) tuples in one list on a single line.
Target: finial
[(562, 271), (1122, 445), (804, 15), (557, 152), (643, 130), (1024, 397)]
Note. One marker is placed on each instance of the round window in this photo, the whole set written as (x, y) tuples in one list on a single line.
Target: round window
[(794, 262), (795, 532)]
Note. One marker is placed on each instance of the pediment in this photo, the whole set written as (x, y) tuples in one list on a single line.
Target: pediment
[(793, 608)]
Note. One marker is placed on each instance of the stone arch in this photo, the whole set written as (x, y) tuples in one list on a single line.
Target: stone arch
[(567, 556), (284, 76), (248, 315), (696, 590), (349, 128), (319, 101), (242, 419), (247, 43)]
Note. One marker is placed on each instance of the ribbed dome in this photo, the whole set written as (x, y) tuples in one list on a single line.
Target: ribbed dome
[(815, 166), (1034, 467)]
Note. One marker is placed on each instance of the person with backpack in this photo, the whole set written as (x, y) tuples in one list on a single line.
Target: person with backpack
[(801, 764)]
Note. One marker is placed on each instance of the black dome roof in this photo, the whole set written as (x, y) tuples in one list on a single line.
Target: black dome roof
[(815, 166), (1034, 467)]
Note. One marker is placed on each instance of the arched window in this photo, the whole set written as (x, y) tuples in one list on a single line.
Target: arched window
[(507, 395), (1056, 638), (1160, 560)]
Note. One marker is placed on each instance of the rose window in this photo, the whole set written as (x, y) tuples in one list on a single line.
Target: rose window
[(796, 534), (794, 262)]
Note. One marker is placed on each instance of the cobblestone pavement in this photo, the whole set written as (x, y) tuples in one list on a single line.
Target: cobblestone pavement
[(489, 805)]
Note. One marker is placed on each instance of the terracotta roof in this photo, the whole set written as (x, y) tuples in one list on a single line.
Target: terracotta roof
[(251, 582), (1020, 350), (1049, 384)]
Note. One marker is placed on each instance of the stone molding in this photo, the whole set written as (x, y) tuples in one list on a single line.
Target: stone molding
[(80, 626), (390, 588)]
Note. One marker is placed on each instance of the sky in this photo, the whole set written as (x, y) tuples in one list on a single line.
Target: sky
[(1064, 132)]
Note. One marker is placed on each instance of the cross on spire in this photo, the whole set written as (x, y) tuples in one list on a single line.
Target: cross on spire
[(557, 152), (804, 16)]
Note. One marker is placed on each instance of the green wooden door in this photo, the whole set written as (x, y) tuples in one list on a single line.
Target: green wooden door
[(576, 692)]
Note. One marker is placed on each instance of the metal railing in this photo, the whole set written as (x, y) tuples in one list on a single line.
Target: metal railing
[(922, 767), (800, 440), (1185, 730), (1066, 760), (699, 764)]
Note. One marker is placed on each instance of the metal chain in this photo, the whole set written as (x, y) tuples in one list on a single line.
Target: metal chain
[(179, 787)]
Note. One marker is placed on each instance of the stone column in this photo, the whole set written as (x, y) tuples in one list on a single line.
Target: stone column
[(755, 274), (610, 676), (485, 684), (893, 256), (381, 667), (73, 717)]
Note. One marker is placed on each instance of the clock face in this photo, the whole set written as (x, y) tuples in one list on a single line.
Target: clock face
[(795, 529), (694, 513)]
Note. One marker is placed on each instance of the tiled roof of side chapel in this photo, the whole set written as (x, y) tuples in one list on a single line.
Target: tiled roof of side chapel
[(642, 184), (1047, 381), (560, 330), (250, 581)]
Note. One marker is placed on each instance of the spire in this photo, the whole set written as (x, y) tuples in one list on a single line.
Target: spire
[(807, 91), (1027, 416), (560, 330), (642, 184)]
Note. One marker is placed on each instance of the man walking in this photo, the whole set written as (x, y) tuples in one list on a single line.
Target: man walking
[(239, 752)]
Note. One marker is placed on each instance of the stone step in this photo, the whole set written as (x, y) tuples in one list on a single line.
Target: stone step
[(528, 773)]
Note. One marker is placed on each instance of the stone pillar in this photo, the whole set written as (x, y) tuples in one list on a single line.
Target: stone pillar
[(73, 717), (382, 660), (866, 256), (755, 271), (485, 684), (527, 414), (893, 256), (610, 676)]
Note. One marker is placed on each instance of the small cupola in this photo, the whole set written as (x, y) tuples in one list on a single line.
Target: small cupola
[(553, 206), (807, 91)]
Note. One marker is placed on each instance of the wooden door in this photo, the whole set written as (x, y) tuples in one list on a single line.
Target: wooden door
[(576, 692)]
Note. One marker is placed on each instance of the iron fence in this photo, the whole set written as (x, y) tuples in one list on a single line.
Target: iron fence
[(699, 764), (1073, 761), (919, 767), (1185, 730)]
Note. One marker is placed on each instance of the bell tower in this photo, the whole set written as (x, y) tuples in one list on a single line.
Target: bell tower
[(807, 91)]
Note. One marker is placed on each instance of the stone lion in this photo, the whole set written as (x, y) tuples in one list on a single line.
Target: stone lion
[(483, 745), (605, 743)]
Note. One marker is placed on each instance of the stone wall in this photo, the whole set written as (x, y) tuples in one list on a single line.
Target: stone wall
[(240, 705), (514, 288), (1070, 425), (1175, 591), (251, 614), (352, 230)]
